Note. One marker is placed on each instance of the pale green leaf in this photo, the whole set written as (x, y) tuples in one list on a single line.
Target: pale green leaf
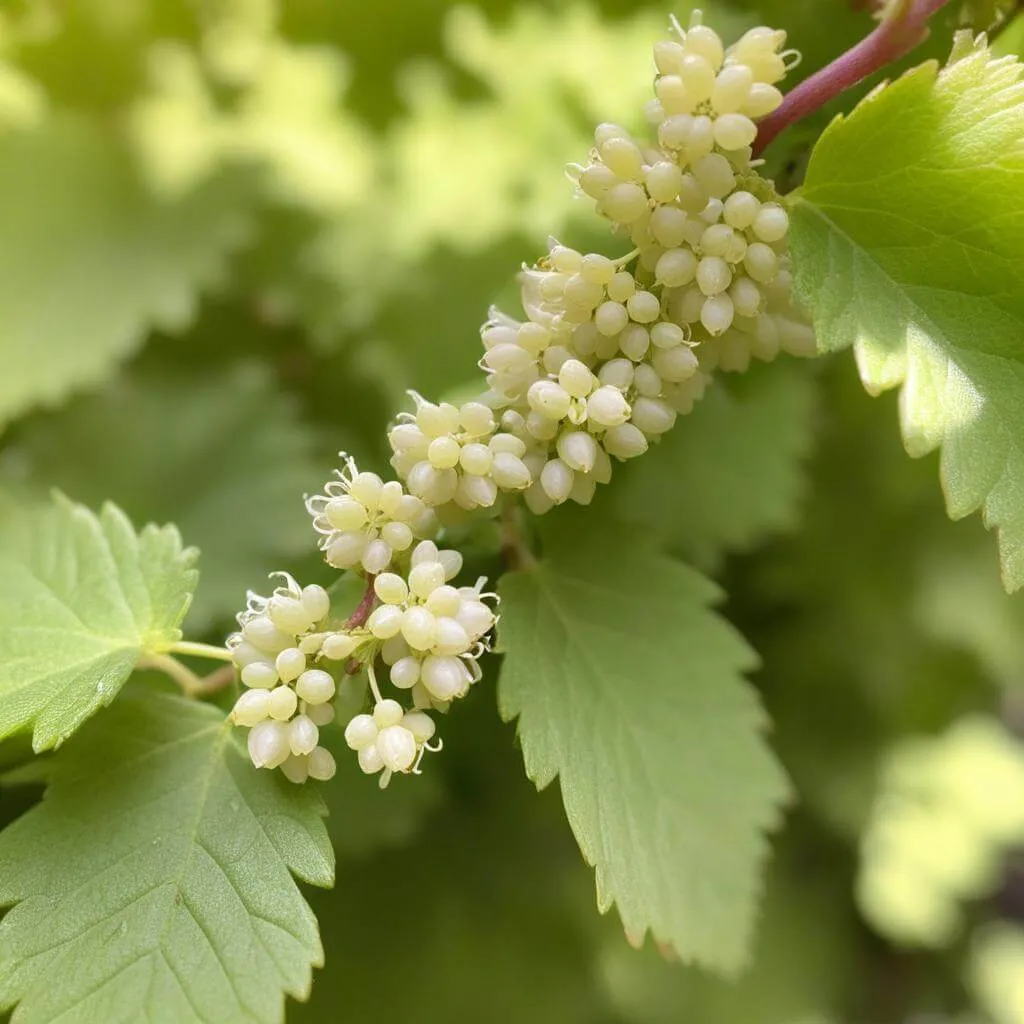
[(154, 883), (631, 691), (89, 262), (908, 243), (223, 455), (84, 596), (730, 473)]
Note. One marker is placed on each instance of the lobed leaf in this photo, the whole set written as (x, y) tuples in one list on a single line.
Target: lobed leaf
[(154, 882), (908, 244), (630, 691), (84, 597)]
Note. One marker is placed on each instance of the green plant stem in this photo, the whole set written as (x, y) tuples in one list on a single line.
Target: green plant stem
[(197, 650), (192, 685)]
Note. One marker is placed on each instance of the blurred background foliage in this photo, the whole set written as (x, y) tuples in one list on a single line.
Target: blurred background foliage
[(232, 232)]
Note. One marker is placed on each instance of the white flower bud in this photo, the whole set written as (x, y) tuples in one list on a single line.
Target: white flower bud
[(734, 131), (289, 615), (740, 210), (701, 140), (320, 714), (303, 735), (610, 318), (761, 262), (268, 744), (674, 132), (346, 549), (370, 760), (361, 732), (762, 99), (321, 765), (597, 268), (509, 472), (405, 673), (403, 437), (420, 725), (391, 588), (476, 418), (385, 622), (714, 174), (675, 364), (365, 488), (337, 646), (676, 267), (624, 202), (549, 399), (387, 712), (596, 180), (290, 664), (717, 314), (509, 444), (315, 686), (345, 513), (295, 769), (425, 551), (263, 634), (667, 335), (444, 677), (698, 76), (425, 578), (259, 675), (634, 342), (771, 223), (419, 627), (713, 275), (704, 42), (444, 600), (444, 452), (556, 479), (575, 378), (397, 748), (643, 307), (282, 703), (475, 617), (252, 707), (475, 458), (583, 489), (647, 380), (507, 359), (476, 492), (608, 407), (625, 441), (390, 498), (732, 86), (746, 297), (622, 286), (653, 416), (578, 450), (316, 602), (663, 181), (435, 420), (451, 637), (452, 562)]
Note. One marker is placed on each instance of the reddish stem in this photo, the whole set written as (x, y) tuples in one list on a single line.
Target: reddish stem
[(897, 34), (362, 613)]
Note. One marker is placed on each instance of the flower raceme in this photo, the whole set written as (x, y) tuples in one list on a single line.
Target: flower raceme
[(606, 354)]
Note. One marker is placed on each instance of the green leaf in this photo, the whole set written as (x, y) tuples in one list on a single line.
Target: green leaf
[(908, 243), (89, 262), (730, 473), (224, 456), (154, 882), (630, 690), (84, 597)]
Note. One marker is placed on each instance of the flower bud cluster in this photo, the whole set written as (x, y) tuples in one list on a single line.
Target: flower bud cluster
[(448, 453), (363, 522), (287, 699), (606, 356)]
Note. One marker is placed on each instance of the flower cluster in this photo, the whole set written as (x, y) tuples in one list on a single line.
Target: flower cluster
[(363, 521), (608, 353), (286, 700)]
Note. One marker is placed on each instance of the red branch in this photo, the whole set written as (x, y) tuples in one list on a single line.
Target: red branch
[(904, 28), (362, 613)]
